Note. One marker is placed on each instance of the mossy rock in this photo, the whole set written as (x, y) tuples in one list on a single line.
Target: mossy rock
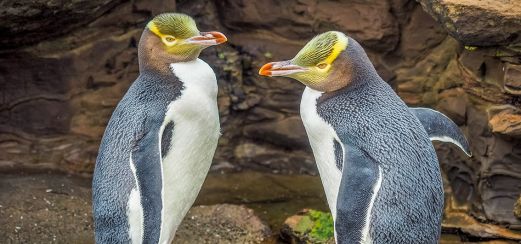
[(309, 226)]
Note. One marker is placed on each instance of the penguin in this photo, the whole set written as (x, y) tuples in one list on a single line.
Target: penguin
[(159, 143), (374, 154)]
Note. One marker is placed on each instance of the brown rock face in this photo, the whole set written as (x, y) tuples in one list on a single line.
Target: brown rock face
[(517, 208), (512, 79), (478, 88), (59, 88), (47, 208), (287, 132), (28, 21), (58, 95), (478, 22), (370, 22), (505, 120), (222, 223)]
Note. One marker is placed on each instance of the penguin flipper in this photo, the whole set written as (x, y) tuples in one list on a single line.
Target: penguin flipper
[(146, 157), (441, 128), (360, 182)]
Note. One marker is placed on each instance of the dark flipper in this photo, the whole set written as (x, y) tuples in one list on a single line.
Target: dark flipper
[(441, 128), (166, 138), (360, 182), (146, 158)]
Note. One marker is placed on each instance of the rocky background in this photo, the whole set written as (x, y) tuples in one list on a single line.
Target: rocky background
[(64, 66)]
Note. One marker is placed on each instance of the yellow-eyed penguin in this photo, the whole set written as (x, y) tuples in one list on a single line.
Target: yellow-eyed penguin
[(161, 138), (378, 167)]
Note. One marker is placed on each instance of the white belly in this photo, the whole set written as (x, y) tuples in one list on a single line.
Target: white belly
[(194, 139), (321, 135)]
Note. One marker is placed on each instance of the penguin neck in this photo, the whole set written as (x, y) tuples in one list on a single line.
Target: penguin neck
[(153, 57), (357, 72), (351, 69), (361, 70)]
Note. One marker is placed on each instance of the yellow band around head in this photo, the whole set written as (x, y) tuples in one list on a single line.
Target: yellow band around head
[(152, 27), (339, 46)]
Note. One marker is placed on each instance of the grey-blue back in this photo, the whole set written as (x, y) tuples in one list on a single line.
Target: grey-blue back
[(132, 129), (369, 115)]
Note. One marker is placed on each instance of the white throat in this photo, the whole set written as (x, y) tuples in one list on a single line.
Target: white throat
[(321, 136), (196, 74), (194, 140)]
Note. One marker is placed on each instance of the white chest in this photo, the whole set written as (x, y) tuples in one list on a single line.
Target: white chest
[(321, 136), (194, 140)]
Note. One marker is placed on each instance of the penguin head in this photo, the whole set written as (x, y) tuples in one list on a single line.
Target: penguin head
[(324, 64), (179, 36)]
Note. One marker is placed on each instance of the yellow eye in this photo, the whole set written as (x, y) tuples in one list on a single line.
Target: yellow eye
[(322, 65), (169, 38)]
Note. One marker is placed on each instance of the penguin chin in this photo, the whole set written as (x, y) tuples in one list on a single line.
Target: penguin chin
[(323, 85), (190, 53), (326, 87), (308, 78)]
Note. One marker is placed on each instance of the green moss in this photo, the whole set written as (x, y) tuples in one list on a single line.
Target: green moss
[(471, 48), (322, 229), (314, 227)]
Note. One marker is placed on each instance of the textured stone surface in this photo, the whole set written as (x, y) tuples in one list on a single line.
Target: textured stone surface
[(58, 95), (29, 21), (505, 120), (456, 219), (517, 208), (478, 22), (512, 79), (370, 22), (478, 89), (222, 223), (45, 208), (54, 208)]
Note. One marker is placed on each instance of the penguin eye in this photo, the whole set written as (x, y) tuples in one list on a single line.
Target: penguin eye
[(169, 39), (322, 65)]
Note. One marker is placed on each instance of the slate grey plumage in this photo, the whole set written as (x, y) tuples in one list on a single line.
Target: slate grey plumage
[(132, 130), (377, 129), (159, 143), (376, 161)]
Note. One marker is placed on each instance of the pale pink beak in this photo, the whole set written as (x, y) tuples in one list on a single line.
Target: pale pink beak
[(208, 38), (282, 68)]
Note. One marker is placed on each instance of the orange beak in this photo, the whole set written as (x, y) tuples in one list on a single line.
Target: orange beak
[(266, 69), (283, 68), (208, 38)]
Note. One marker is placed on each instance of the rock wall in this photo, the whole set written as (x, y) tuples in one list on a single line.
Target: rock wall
[(62, 77), (58, 88), (480, 87)]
